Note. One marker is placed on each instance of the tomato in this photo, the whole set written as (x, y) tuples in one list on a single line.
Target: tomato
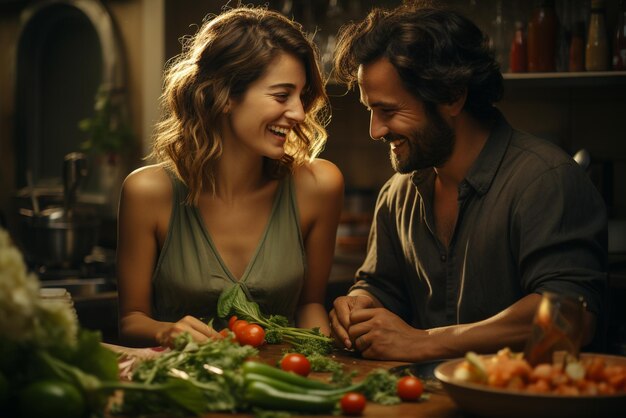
[(352, 403), (239, 323), (227, 334), (251, 334), (231, 321), (410, 388), (51, 399), (297, 363)]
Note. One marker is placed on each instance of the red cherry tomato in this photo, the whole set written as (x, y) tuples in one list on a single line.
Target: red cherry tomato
[(297, 363), (251, 334), (231, 321), (239, 323), (352, 403), (226, 333), (410, 388)]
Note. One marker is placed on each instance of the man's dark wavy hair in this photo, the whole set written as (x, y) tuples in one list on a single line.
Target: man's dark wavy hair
[(438, 53)]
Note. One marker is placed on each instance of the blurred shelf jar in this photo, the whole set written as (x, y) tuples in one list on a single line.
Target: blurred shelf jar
[(597, 50), (619, 48)]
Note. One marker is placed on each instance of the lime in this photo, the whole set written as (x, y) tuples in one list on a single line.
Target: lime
[(51, 399)]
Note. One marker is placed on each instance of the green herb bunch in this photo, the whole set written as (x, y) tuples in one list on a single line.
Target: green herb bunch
[(233, 301), (212, 369)]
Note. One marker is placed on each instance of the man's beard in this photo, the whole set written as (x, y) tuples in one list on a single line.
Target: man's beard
[(429, 147)]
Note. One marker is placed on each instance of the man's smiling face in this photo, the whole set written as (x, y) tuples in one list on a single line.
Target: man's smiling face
[(418, 138)]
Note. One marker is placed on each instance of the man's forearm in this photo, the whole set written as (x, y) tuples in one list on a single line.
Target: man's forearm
[(509, 328)]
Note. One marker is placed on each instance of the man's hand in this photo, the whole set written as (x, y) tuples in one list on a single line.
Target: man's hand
[(378, 333), (198, 330), (340, 316)]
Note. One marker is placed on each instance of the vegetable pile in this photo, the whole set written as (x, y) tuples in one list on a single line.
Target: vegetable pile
[(49, 367), (508, 370), (45, 359)]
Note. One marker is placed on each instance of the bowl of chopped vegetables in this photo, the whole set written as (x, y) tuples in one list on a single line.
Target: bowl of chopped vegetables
[(505, 384)]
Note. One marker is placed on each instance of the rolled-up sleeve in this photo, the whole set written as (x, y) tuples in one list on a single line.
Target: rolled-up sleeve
[(559, 232)]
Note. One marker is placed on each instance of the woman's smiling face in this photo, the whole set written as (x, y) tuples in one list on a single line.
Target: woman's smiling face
[(269, 109)]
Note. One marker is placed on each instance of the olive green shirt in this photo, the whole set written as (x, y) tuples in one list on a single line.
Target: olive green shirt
[(190, 274), (529, 221)]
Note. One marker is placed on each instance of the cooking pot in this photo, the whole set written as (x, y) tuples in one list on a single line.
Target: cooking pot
[(52, 239), (60, 236)]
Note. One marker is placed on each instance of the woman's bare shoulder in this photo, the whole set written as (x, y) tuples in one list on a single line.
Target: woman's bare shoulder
[(319, 177), (150, 183)]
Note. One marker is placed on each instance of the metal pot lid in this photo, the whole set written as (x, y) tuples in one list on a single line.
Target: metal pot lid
[(55, 217)]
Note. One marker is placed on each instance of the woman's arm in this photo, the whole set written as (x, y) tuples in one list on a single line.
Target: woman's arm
[(143, 219), (320, 190), (137, 249)]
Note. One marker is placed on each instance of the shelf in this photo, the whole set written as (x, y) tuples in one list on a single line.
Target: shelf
[(566, 79)]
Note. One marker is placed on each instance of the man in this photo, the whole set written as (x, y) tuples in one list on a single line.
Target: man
[(480, 218)]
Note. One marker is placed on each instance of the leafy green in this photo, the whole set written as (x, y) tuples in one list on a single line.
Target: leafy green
[(312, 347), (213, 368), (260, 413), (93, 358), (342, 378), (233, 301), (176, 383), (322, 363), (226, 301), (380, 386)]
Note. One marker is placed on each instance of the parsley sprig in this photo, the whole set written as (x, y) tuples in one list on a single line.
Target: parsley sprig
[(233, 301)]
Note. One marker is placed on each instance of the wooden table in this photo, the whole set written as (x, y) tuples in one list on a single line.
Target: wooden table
[(438, 405)]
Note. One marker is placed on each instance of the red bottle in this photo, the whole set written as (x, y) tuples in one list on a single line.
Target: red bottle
[(542, 31), (517, 54), (577, 48)]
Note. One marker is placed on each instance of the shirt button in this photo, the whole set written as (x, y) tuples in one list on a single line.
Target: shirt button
[(443, 258)]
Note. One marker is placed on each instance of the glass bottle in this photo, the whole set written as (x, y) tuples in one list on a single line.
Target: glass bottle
[(517, 53), (499, 40), (577, 48), (619, 47), (542, 37), (597, 50)]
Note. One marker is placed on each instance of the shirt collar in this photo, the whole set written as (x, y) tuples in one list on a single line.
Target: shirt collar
[(482, 172)]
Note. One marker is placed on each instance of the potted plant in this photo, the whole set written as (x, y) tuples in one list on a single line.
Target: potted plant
[(109, 140)]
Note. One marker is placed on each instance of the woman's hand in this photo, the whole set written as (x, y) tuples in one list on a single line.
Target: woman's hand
[(198, 330)]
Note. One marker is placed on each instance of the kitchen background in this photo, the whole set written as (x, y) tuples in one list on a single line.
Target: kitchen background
[(88, 70)]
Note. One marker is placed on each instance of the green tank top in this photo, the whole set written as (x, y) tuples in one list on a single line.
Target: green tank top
[(190, 274)]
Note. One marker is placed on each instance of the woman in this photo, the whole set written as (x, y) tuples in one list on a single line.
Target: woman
[(237, 195)]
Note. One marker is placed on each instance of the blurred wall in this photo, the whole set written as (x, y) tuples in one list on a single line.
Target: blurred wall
[(573, 114)]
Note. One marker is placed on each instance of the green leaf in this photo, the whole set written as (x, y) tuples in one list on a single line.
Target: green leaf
[(95, 359), (226, 301), (278, 320), (323, 363), (380, 386), (186, 395)]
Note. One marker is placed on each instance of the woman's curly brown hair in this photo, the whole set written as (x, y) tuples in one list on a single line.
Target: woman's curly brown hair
[(227, 54)]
